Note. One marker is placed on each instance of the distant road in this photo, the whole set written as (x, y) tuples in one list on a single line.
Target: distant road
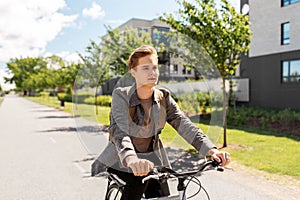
[(42, 158)]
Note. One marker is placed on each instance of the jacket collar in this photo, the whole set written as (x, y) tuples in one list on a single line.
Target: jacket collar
[(133, 97)]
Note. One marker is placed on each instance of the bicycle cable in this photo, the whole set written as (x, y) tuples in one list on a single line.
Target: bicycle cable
[(197, 182)]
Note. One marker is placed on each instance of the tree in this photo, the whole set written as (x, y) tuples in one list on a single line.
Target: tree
[(23, 69), (95, 70), (53, 76), (220, 30), (118, 44), (67, 74), (59, 73), (32, 74)]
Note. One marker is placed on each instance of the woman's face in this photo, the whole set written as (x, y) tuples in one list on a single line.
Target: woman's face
[(146, 72)]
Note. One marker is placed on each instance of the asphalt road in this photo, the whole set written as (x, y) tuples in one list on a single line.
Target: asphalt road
[(44, 156)]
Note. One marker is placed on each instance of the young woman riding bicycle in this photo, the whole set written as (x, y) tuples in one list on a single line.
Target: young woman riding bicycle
[(138, 114)]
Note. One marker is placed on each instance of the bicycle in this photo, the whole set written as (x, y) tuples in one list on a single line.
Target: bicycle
[(116, 185)]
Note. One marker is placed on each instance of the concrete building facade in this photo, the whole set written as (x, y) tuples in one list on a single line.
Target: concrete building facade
[(273, 62), (170, 65)]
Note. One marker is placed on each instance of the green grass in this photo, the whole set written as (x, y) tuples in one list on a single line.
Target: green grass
[(261, 150), (267, 151), (81, 110), (264, 150)]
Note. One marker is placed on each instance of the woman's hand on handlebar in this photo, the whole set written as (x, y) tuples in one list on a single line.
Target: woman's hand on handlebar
[(220, 156), (139, 167)]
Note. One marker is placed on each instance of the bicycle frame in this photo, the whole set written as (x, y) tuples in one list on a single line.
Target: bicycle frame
[(172, 197), (181, 186), (180, 196)]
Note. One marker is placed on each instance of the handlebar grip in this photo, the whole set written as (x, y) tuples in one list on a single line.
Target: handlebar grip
[(160, 176), (150, 177), (215, 163)]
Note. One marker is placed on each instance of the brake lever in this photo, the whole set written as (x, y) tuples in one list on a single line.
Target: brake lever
[(155, 176), (220, 169)]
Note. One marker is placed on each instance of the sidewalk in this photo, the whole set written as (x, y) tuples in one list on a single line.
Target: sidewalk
[(41, 155)]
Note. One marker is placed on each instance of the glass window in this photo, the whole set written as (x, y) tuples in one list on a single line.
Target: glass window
[(285, 33), (285, 2), (291, 71), (174, 69), (288, 2), (184, 70), (158, 35), (139, 31)]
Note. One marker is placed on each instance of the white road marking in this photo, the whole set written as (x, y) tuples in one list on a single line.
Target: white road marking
[(52, 140), (79, 167)]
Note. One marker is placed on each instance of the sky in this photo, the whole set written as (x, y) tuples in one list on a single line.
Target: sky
[(31, 28)]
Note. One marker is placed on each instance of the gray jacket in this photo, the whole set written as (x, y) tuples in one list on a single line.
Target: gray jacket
[(125, 121)]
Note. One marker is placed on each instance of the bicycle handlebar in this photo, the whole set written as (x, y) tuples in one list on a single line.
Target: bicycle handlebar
[(165, 173)]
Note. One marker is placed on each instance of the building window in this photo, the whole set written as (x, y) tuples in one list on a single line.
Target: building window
[(285, 33), (288, 2), (174, 68), (184, 70), (139, 31), (158, 35), (290, 71)]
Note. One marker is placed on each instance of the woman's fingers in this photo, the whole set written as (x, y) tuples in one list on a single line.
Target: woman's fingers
[(141, 167), (221, 156)]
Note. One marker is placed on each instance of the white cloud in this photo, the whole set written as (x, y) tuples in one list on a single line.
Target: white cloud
[(26, 26), (67, 56), (70, 57), (5, 86), (236, 4), (95, 12)]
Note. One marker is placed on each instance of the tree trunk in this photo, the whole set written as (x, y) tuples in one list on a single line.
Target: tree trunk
[(96, 100), (224, 114), (225, 131)]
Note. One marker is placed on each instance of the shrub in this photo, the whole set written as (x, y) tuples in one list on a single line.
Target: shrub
[(89, 100), (80, 97), (36, 94), (287, 115), (68, 98), (102, 100), (188, 103), (61, 96), (195, 102), (282, 120), (238, 117)]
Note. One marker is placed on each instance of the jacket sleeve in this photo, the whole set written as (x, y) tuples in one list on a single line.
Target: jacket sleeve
[(185, 127), (119, 125)]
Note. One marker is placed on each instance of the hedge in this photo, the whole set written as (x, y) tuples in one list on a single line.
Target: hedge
[(102, 100)]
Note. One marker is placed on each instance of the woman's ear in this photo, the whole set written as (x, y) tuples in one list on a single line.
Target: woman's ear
[(132, 71)]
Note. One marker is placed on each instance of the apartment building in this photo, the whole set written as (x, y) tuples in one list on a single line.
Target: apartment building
[(273, 61), (170, 66)]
